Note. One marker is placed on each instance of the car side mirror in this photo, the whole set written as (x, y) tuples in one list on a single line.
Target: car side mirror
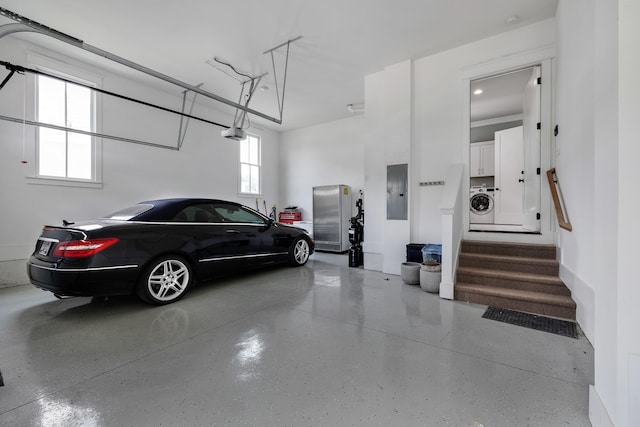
[(267, 224)]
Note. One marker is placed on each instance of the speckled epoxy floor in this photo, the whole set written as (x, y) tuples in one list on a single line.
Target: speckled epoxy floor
[(321, 345)]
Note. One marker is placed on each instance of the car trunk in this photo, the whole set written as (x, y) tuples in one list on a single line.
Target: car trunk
[(50, 238)]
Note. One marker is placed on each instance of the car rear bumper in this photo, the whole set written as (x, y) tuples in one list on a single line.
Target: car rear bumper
[(90, 281)]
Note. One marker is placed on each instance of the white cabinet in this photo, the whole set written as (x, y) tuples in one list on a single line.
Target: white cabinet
[(482, 159)]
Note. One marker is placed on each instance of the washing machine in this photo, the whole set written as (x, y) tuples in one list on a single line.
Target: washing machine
[(481, 205)]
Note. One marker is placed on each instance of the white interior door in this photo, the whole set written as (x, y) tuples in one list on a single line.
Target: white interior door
[(509, 176), (531, 118)]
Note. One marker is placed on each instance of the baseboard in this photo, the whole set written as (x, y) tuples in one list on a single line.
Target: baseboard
[(584, 296), (446, 290), (598, 414), (13, 273), (372, 261)]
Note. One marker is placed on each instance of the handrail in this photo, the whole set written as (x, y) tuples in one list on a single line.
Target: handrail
[(557, 202)]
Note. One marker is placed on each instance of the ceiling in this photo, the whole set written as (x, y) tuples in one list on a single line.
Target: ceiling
[(342, 41), (501, 95)]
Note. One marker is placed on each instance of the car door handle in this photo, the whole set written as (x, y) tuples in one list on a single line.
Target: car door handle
[(231, 231)]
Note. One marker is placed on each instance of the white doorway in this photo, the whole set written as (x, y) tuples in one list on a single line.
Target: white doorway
[(505, 120)]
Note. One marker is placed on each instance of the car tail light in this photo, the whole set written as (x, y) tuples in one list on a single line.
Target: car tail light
[(83, 248)]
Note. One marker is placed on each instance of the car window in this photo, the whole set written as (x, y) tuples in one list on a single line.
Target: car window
[(197, 213), (129, 212), (232, 213)]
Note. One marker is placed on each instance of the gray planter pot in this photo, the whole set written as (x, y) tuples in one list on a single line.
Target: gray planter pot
[(430, 278), (410, 273)]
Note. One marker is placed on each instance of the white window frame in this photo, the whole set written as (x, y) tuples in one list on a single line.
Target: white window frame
[(74, 73), (258, 165)]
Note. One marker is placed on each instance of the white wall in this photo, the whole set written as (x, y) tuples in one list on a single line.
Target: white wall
[(375, 173), (326, 154), (598, 154), (628, 295), (440, 91), (366, 145), (575, 165), (388, 98), (207, 164), (580, 175)]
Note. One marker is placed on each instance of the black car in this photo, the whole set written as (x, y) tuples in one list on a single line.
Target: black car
[(158, 248)]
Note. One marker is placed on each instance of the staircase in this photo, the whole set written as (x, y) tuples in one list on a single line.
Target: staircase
[(516, 276)]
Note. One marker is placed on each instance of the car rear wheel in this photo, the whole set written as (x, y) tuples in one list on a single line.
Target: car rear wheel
[(299, 253), (165, 280)]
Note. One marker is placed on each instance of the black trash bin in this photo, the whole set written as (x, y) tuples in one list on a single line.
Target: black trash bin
[(414, 252)]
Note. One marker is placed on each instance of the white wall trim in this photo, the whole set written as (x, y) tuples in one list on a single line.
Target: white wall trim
[(13, 273), (63, 182), (497, 120), (542, 56), (584, 296), (598, 414), (508, 63)]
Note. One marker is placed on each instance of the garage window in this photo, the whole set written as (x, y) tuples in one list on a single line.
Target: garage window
[(63, 154), (250, 165), (62, 97)]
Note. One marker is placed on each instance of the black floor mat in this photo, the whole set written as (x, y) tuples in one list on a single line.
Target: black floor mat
[(532, 321)]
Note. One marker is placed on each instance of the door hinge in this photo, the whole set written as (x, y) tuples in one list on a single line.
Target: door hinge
[(539, 80), (539, 126), (538, 171), (538, 216)]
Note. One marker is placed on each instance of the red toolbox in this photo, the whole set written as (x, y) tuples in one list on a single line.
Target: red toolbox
[(288, 217)]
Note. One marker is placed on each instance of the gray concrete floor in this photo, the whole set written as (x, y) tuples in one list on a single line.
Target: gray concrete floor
[(321, 345)]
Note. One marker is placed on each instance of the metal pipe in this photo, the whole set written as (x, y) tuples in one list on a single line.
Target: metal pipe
[(282, 44), (21, 69), (43, 29), (84, 132), (286, 66), (182, 134)]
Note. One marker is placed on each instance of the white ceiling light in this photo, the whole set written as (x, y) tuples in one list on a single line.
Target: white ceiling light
[(477, 91)]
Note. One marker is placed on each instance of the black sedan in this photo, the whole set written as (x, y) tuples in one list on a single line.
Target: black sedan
[(158, 248)]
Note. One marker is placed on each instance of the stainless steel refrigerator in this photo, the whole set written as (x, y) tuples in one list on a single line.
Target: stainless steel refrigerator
[(332, 212)]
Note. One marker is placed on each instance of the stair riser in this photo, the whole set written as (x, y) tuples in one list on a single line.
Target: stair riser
[(555, 289), (517, 283), (520, 267), (518, 305), (491, 248)]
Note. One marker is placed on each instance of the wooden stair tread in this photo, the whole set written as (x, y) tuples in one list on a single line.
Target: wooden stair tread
[(543, 251), (544, 298), (510, 258), (547, 246), (512, 275), (517, 276)]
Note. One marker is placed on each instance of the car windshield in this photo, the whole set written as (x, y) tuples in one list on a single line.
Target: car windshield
[(128, 213)]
